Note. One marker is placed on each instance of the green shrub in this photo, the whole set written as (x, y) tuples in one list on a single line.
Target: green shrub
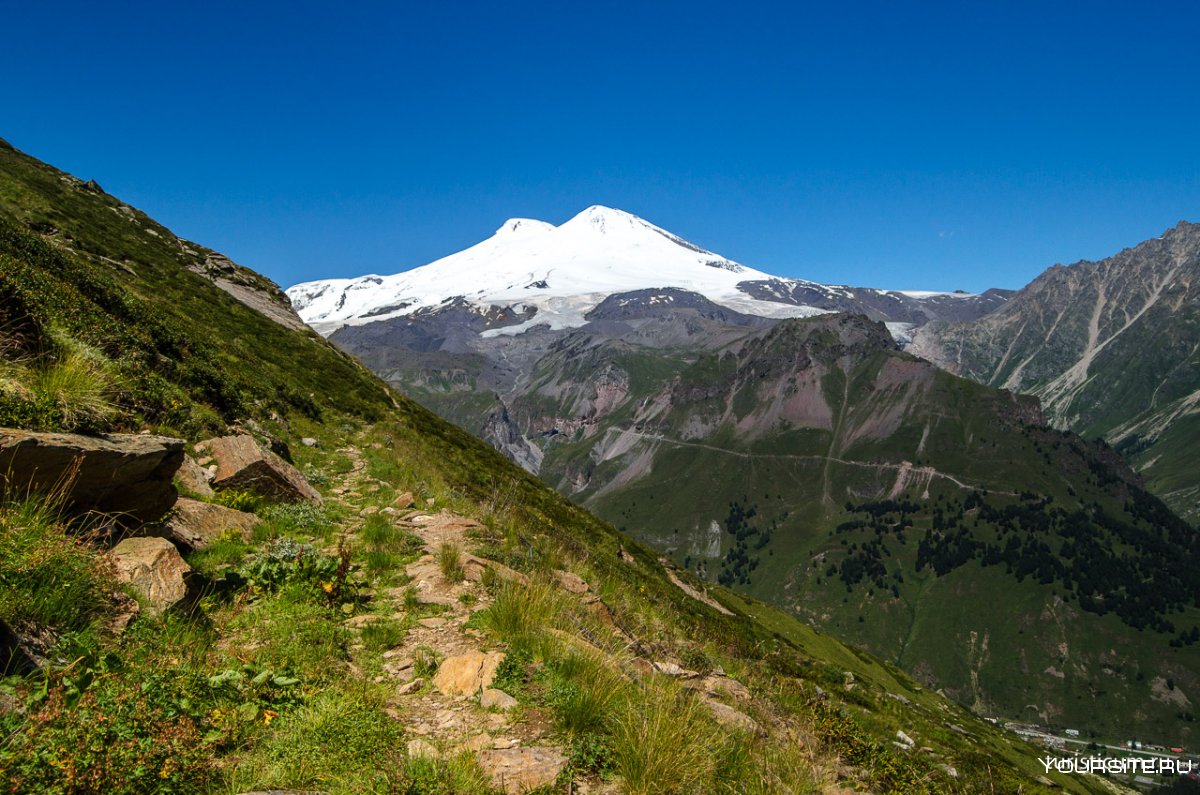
[(288, 561), (239, 500), (584, 694), (298, 517), (424, 775), (80, 386), (521, 611)]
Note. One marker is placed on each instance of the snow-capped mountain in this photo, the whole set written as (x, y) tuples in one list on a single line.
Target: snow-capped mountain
[(562, 272), (553, 276)]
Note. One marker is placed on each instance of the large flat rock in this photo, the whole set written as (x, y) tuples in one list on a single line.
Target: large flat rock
[(196, 525), (126, 475), (244, 464)]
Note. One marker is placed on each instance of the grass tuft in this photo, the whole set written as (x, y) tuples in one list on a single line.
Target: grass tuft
[(449, 558), (662, 744)]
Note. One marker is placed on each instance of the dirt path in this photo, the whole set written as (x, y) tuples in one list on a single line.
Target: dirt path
[(442, 671)]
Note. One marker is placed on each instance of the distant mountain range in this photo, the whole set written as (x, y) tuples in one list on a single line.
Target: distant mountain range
[(773, 435)]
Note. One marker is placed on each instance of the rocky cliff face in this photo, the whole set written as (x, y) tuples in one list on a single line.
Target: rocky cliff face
[(1112, 348)]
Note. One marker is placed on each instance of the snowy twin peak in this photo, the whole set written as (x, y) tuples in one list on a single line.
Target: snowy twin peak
[(556, 275)]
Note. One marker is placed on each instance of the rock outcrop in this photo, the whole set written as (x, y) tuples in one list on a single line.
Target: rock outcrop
[(154, 568), (196, 525), (126, 475), (242, 463)]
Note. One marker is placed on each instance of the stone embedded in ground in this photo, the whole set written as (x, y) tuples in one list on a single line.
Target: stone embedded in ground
[(476, 743), (673, 669), (308, 441), (720, 685), (125, 609), (24, 649), (732, 718), (398, 668), (126, 475), (496, 699), (193, 479), (196, 525), (517, 770), (154, 568), (244, 464), (474, 567), (410, 688), (467, 674), (571, 581), (405, 500)]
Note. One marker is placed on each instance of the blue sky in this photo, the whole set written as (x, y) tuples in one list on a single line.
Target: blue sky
[(902, 145)]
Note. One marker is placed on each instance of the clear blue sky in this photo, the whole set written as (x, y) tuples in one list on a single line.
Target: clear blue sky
[(921, 145)]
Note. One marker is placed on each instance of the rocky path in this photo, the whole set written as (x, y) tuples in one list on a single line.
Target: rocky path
[(453, 708)]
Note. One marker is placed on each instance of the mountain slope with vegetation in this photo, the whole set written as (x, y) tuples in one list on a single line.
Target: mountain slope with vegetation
[(305, 653), (1112, 348)]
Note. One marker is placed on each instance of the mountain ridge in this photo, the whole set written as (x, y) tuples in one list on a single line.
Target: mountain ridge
[(1110, 347)]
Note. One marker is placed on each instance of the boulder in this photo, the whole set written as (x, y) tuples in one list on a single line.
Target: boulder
[(154, 568), (126, 475), (242, 463), (196, 525), (193, 478), (467, 674), (517, 770)]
